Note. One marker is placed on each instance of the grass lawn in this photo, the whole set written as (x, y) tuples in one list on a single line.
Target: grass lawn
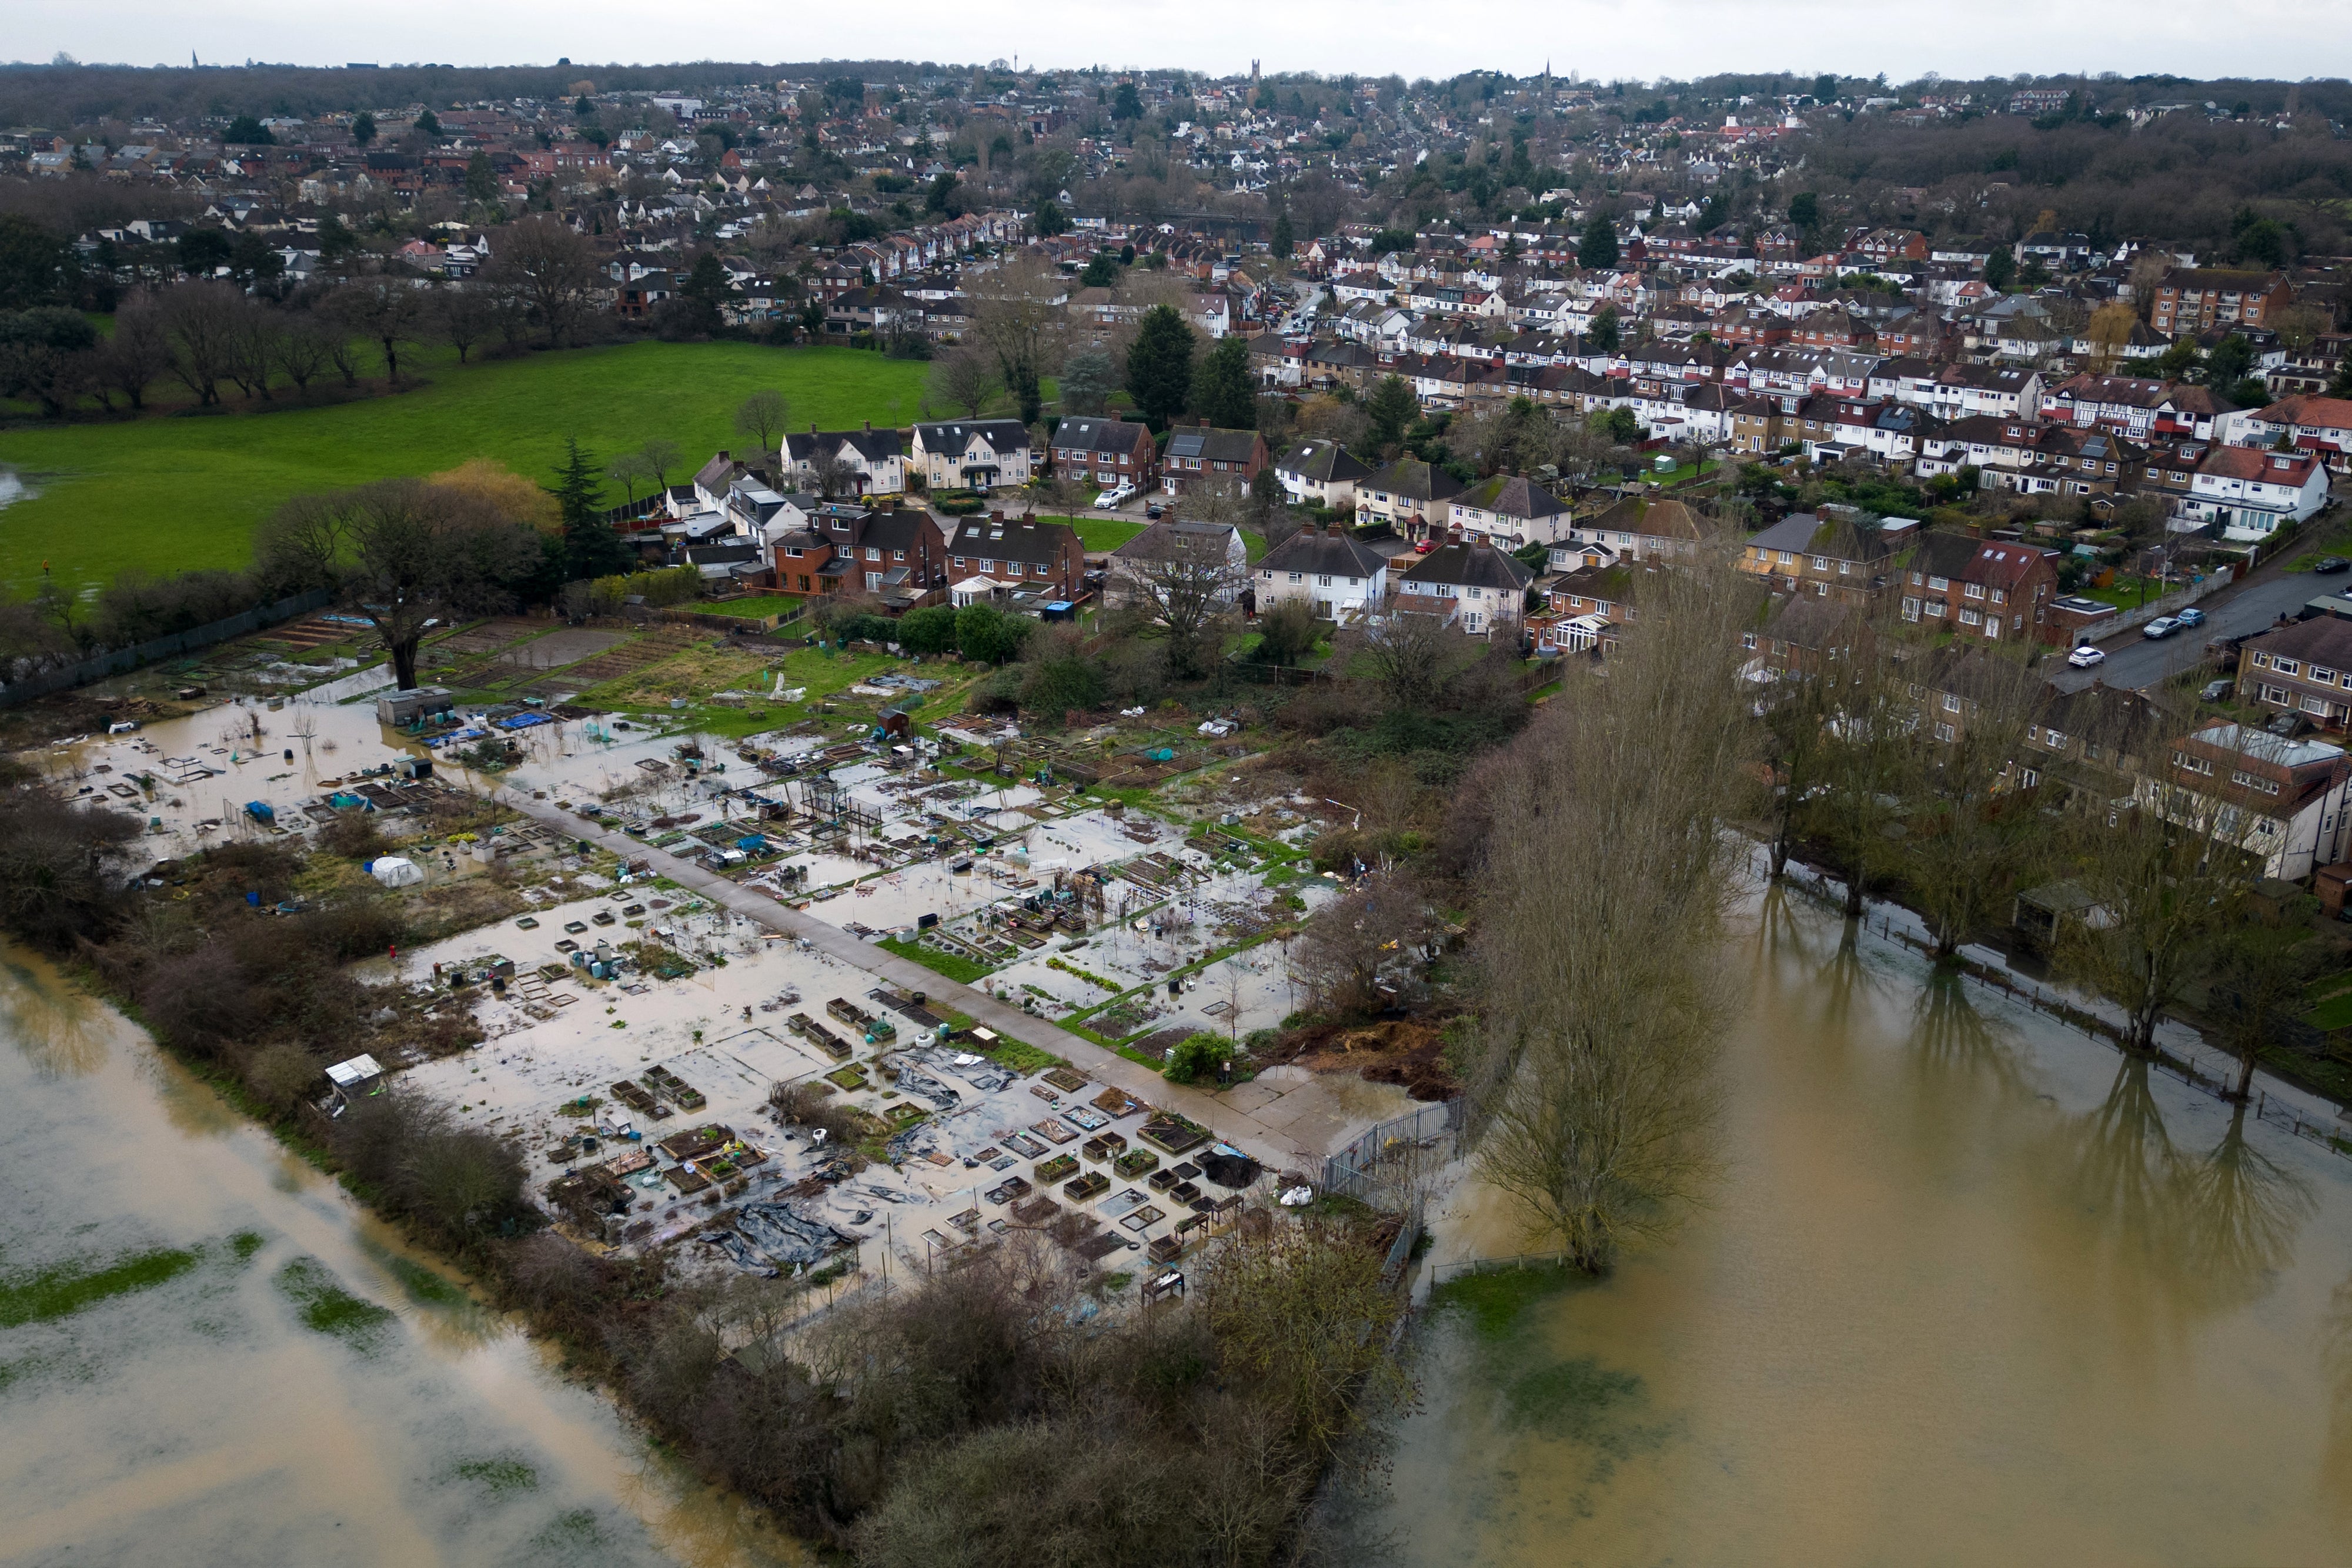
[(1100, 533), (953, 966), (172, 492), (757, 607), (2125, 592)]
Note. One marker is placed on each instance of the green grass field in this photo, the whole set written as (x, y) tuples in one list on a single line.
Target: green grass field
[(172, 492)]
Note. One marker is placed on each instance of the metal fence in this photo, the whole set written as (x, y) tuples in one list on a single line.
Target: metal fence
[(101, 665), (1386, 1154)]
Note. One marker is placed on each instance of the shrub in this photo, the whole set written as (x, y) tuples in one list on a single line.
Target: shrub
[(928, 631), (352, 835), (989, 635), (1057, 686), (1196, 1054), (806, 1106)]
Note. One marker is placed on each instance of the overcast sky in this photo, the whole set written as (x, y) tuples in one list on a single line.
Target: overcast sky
[(1644, 38)]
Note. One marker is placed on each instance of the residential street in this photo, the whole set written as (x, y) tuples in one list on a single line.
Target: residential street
[(2136, 662)]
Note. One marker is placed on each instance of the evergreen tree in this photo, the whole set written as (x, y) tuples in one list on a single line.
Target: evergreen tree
[(1999, 266), (1604, 333), (1598, 249), (1283, 240), (364, 129), (1160, 365), (429, 123), (1222, 390), (591, 548), (1101, 271), (2342, 385), (1390, 408), (481, 180), (705, 293)]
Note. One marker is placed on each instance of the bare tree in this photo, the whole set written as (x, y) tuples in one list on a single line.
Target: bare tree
[(628, 471), (386, 312), (403, 553), (763, 416), (549, 269), (2255, 984), (967, 378), (1971, 826), (832, 475), (464, 317), (1410, 654), (661, 458), (2162, 874), (200, 324), (1184, 586), (302, 351), (1018, 314), (1608, 873), (1367, 948), (260, 333), (140, 349)]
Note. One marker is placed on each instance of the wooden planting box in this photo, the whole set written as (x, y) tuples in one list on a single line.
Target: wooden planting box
[(1048, 1172), (1087, 1187), (1136, 1163)]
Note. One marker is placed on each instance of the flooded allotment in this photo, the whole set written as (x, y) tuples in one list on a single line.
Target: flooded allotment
[(776, 962)]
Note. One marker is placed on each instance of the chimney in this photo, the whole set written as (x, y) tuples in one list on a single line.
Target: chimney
[(811, 427), (1204, 422), (722, 456), (869, 427), (996, 519)]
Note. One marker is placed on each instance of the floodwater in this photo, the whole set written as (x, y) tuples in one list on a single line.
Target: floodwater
[(269, 1376), (1971, 1290)]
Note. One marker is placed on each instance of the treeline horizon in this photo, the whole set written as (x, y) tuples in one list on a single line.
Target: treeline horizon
[(34, 93)]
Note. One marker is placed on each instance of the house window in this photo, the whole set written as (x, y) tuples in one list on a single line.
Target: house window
[(1944, 732), (2246, 781), (1951, 702), (2276, 696), (2187, 764)]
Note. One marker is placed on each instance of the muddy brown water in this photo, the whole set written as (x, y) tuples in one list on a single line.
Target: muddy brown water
[(301, 1387), (1971, 1290)]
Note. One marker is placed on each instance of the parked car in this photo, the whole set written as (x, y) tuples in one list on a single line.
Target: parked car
[(1422, 547), (2330, 563), (1155, 511), (1119, 498), (2192, 616), (2214, 691), (2162, 626), (2083, 657)]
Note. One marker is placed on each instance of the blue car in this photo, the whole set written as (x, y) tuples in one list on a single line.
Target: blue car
[(2192, 616)]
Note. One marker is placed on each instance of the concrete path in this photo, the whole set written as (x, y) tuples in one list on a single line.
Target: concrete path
[(1290, 1129)]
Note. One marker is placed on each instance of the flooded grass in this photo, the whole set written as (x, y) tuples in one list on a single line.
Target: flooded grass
[(68, 1288), (245, 1243), (497, 1476), (423, 1284), (1492, 1299), (328, 1308)]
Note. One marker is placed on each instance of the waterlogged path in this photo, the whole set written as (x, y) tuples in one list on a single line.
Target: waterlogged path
[(209, 1355), (1972, 1290)]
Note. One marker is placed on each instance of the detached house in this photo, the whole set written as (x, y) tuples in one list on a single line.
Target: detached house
[(1477, 586), (1342, 577), (1109, 451), (976, 453)]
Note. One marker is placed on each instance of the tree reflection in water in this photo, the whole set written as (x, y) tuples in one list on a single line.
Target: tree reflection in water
[(2206, 1233)]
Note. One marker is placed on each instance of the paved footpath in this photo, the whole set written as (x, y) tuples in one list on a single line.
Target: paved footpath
[(1297, 1144)]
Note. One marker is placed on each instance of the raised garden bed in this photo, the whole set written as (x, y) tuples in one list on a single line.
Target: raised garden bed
[(1051, 1171), (1036, 1210), (1087, 1187), (1012, 1189), (1068, 1082), (1103, 1145), (1136, 1163), (1173, 1134), (847, 1078)]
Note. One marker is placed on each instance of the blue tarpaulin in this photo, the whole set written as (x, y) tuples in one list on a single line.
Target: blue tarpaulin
[(522, 721), (260, 811)]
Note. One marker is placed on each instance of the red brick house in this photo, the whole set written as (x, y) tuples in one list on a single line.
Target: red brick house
[(1024, 555), (1994, 589), (1109, 451)]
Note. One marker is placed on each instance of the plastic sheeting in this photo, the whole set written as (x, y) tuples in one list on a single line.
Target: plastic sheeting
[(393, 871), (787, 1235)]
